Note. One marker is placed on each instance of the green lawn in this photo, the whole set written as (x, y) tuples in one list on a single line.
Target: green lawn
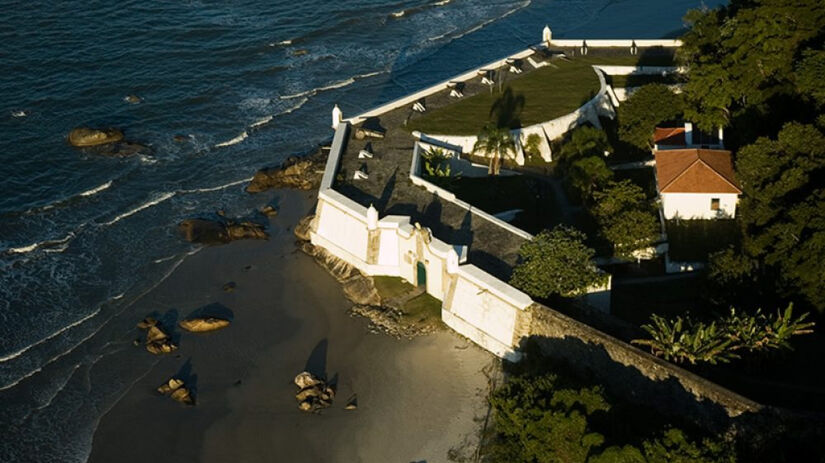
[(694, 240), (391, 287), (639, 80), (422, 310), (548, 93)]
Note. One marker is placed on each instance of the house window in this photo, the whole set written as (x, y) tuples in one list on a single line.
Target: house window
[(714, 204)]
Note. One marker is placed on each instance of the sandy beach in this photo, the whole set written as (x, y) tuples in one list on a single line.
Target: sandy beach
[(417, 399)]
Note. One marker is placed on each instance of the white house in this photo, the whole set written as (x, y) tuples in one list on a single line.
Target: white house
[(696, 183)]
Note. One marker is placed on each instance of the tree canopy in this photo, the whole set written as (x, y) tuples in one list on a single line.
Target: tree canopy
[(758, 69), (625, 217), (743, 62), (556, 262), (647, 107)]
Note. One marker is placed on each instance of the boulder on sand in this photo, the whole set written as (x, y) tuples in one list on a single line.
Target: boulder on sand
[(169, 386), (183, 396), (305, 380), (85, 136), (163, 346), (203, 324), (218, 232), (155, 334), (314, 394)]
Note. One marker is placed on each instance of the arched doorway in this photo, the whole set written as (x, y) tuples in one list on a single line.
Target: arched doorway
[(421, 274)]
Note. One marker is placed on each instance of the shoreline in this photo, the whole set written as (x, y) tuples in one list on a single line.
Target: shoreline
[(417, 399)]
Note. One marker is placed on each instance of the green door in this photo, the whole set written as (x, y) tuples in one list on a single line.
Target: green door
[(421, 271)]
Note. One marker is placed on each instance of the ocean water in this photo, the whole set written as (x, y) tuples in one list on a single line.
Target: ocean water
[(247, 83)]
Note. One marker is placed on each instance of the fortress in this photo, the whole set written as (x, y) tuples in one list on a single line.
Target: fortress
[(376, 212)]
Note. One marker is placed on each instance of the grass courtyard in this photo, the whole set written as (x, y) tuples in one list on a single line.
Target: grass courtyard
[(548, 92)]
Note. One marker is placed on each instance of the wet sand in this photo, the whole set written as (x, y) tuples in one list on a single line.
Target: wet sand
[(417, 399)]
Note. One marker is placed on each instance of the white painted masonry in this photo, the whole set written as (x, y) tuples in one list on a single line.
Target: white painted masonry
[(698, 205)]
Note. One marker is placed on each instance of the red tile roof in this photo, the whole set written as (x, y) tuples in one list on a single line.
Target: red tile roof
[(669, 136), (695, 171)]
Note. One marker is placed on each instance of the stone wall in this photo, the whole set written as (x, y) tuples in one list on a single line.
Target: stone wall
[(632, 373)]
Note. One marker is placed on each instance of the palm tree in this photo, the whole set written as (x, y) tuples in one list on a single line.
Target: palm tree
[(495, 142)]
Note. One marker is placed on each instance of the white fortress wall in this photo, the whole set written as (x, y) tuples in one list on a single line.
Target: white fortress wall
[(637, 70), (607, 43)]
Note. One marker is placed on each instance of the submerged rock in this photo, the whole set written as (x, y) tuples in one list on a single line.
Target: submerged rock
[(229, 286), (85, 136), (219, 232), (204, 324)]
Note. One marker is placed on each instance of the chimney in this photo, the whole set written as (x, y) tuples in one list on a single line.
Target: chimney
[(688, 133)]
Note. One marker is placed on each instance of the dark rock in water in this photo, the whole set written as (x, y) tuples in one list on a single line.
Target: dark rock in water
[(124, 149), (229, 286), (238, 382), (269, 211), (85, 136), (203, 231), (219, 232), (302, 174), (246, 230), (133, 99)]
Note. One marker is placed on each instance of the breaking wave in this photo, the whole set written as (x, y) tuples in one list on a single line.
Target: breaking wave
[(340, 84), (22, 351), (42, 244), (233, 141), (157, 200)]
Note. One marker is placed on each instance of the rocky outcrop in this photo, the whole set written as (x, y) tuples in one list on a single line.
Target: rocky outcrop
[(313, 394), (361, 291), (220, 231), (203, 324), (298, 173), (85, 136), (106, 142), (304, 227)]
